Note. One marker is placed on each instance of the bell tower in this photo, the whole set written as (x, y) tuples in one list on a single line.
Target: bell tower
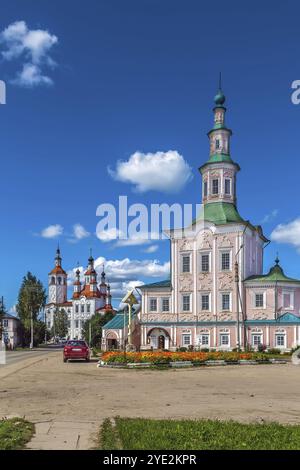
[(219, 172), (57, 282)]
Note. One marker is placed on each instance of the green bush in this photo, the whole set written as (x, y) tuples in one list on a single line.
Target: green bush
[(274, 351)]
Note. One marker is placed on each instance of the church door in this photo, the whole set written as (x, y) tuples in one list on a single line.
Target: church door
[(161, 342)]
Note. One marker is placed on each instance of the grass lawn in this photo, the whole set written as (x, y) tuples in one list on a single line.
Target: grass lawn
[(148, 434), (15, 433)]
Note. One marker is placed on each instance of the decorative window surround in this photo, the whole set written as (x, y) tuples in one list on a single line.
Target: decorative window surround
[(259, 299), (256, 339), (205, 262), (215, 186), (280, 339), (186, 339), (165, 304), (205, 301), (186, 262), (152, 304), (226, 300), (186, 302), (225, 340), (225, 257), (227, 187)]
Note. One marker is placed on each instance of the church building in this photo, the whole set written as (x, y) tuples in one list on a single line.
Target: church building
[(88, 298), (217, 296)]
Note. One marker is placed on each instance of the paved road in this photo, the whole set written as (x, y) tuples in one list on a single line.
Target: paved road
[(68, 402), (12, 357)]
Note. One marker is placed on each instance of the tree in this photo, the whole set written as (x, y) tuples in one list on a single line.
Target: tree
[(96, 322), (31, 299), (60, 323), (39, 328)]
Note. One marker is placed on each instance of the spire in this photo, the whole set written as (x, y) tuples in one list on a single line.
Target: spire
[(277, 259), (220, 97), (91, 260), (58, 257), (78, 271), (103, 275)]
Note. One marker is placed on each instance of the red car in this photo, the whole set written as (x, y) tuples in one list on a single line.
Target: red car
[(76, 349)]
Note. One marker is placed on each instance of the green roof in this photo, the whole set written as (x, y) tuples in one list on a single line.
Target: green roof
[(219, 213), (154, 285), (275, 274), (219, 158), (117, 322)]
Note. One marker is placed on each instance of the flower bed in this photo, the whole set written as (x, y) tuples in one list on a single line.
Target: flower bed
[(165, 357)]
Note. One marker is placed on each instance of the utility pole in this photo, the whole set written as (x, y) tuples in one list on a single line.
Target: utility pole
[(31, 329), (236, 278), (237, 294), (1, 319), (90, 332), (45, 326)]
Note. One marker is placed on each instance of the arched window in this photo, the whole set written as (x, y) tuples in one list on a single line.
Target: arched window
[(59, 280), (52, 280)]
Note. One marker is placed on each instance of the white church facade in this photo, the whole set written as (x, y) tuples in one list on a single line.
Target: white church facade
[(89, 297), (217, 296)]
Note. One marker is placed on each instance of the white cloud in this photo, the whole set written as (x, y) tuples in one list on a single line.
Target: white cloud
[(160, 171), (269, 217), (139, 239), (127, 270), (52, 231), (80, 232), (151, 249), (32, 47), (288, 233), (109, 235), (119, 289)]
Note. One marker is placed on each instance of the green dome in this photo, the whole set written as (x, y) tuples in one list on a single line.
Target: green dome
[(219, 98)]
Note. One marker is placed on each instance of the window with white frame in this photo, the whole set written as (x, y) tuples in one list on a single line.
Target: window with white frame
[(225, 261), (82, 308), (224, 339), (165, 304), (153, 304), (76, 308), (215, 186), (186, 263), (186, 302), (88, 308), (259, 300), (204, 339), (288, 299), (256, 339), (204, 262), (76, 323), (186, 340), (227, 186), (280, 340), (226, 297), (205, 189), (5, 323), (205, 303)]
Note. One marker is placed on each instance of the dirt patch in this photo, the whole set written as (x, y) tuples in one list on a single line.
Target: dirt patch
[(81, 392)]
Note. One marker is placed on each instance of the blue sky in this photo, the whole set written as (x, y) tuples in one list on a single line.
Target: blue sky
[(140, 76)]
